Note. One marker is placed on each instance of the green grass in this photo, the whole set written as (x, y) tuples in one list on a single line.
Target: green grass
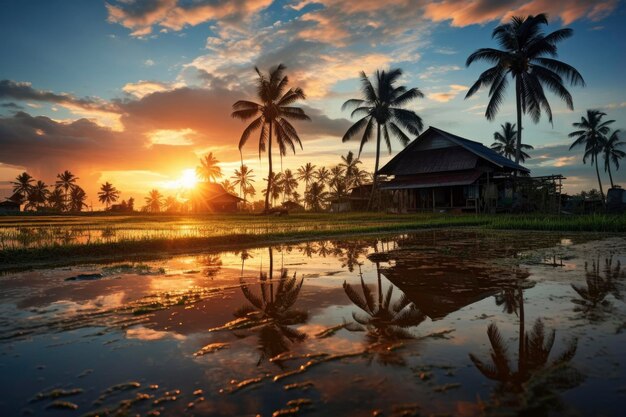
[(54, 240)]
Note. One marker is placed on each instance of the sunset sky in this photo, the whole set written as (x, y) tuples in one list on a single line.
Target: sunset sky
[(135, 91)]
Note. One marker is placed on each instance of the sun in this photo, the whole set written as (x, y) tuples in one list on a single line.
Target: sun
[(189, 179)]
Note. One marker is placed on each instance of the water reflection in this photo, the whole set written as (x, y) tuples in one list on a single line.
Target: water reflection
[(599, 284), (356, 327)]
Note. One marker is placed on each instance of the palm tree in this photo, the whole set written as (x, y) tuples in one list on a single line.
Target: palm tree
[(271, 115), (506, 143), (209, 169), (382, 106), (523, 57), (316, 196), (229, 187), (351, 166), (66, 181), (108, 194), (289, 183), (56, 200), (593, 296), (38, 195), (172, 205), (322, 175), (243, 179), (612, 154), (591, 133), (154, 201), (77, 199), (337, 181), (306, 173), (22, 186)]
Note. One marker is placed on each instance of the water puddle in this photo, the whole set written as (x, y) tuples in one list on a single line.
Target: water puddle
[(437, 322)]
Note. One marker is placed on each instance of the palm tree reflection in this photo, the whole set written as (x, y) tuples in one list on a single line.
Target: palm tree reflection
[(385, 321), (593, 297), (531, 387), (271, 311)]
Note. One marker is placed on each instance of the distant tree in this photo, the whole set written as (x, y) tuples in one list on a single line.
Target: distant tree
[(37, 196), (523, 57), (322, 175), (612, 153), (56, 200), (296, 197), (108, 194), (306, 173), (154, 201), (271, 115), (131, 204), (243, 178), (77, 199), (316, 197), (289, 183), (506, 142), (22, 186), (172, 205), (229, 187), (209, 169), (382, 109), (66, 181), (350, 164), (591, 134)]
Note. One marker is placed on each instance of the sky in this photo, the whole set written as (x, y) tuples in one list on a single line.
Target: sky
[(135, 92)]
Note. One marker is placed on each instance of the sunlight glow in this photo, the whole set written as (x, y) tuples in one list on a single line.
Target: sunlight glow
[(186, 181)]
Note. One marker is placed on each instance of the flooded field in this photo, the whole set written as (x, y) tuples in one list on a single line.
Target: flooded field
[(432, 323)]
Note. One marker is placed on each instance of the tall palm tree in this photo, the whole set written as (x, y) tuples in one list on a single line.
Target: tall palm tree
[(108, 194), (271, 115), (154, 201), (77, 199), (209, 170), (337, 181), (316, 196), (171, 204), (612, 154), (38, 195), (524, 57), (506, 143), (243, 179), (592, 133), (381, 108), (289, 183), (22, 186), (322, 175)]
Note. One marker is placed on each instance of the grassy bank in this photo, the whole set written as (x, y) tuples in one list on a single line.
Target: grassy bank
[(152, 235)]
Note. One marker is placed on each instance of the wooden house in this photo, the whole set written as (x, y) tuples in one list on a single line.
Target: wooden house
[(210, 197), (9, 207), (442, 171)]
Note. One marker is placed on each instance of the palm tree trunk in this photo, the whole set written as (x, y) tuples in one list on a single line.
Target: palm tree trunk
[(595, 157), (375, 184), (608, 167), (271, 273), (269, 176), (380, 287), (522, 335), (518, 98)]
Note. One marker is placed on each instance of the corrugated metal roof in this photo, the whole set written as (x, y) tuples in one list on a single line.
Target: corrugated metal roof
[(435, 179), (412, 160)]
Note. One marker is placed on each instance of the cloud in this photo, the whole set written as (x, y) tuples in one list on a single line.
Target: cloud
[(141, 16), (105, 112), (464, 13), (142, 88), (148, 63), (444, 97), (437, 70)]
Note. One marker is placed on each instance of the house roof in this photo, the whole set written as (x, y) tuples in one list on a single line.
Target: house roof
[(462, 154), (214, 193), (433, 179)]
